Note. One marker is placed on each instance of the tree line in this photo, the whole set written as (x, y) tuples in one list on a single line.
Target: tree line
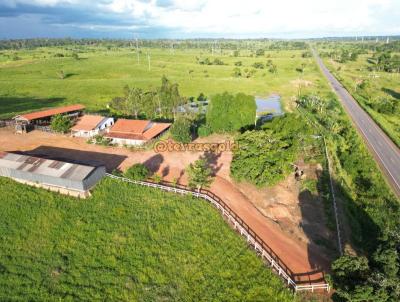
[(160, 102)]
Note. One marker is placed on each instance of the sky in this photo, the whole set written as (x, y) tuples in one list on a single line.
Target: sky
[(182, 19)]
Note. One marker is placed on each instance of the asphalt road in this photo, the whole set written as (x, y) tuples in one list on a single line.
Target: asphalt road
[(385, 152)]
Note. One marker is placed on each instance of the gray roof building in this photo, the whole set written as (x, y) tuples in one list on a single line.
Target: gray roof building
[(69, 178)]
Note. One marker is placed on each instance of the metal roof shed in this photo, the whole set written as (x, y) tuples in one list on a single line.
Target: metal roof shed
[(68, 178)]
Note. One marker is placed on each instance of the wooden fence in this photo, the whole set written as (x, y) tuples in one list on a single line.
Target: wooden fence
[(7, 123), (262, 249)]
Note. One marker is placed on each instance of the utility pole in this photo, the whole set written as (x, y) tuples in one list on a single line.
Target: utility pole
[(137, 52), (148, 60)]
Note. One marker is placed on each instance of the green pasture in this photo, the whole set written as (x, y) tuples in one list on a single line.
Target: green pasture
[(125, 243), (99, 74)]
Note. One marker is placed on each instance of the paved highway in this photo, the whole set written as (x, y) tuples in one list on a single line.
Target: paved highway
[(386, 153)]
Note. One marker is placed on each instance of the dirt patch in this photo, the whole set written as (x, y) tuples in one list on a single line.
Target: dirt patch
[(297, 210)]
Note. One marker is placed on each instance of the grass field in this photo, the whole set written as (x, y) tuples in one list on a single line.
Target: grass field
[(125, 243), (99, 75), (382, 85)]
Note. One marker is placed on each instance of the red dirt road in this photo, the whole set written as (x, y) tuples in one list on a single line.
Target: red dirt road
[(307, 265)]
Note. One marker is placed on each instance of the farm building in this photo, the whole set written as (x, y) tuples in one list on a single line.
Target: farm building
[(91, 125), (26, 121), (135, 132), (67, 178)]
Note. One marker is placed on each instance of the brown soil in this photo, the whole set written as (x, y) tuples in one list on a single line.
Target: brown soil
[(277, 214)]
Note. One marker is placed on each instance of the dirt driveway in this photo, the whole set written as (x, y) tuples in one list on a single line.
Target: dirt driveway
[(299, 255)]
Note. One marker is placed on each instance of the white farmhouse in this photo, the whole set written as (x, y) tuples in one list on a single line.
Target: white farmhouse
[(91, 125)]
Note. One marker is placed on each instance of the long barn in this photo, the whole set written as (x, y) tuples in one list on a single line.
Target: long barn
[(24, 122), (67, 178)]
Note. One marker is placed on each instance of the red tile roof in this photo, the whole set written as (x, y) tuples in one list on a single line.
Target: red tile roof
[(156, 129), (87, 122), (137, 129), (130, 126), (50, 112)]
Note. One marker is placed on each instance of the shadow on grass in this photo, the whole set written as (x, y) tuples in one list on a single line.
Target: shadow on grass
[(11, 106), (392, 93)]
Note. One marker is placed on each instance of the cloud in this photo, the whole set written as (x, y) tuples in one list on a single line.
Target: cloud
[(202, 18)]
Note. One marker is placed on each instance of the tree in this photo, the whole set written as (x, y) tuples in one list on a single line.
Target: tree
[(265, 156), (137, 172), (60, 123), (200, 175), (134, 100), (201, 97), (227, 112), (170, 98), (260, 52), (237, 72), (180, 130)]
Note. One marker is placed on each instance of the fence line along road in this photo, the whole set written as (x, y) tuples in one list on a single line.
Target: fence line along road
[(262, 249)]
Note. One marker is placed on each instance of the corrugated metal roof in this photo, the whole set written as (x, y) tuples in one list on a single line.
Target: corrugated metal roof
[(46, 167), (50, 112), (88, 122)]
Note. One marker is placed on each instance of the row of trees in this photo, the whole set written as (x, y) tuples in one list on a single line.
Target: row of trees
[(207, 61), (385, 61), (255, 45), (161, 102), (341, 55)]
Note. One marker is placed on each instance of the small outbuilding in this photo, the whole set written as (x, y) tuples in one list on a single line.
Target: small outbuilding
[(91, 125), (63, 177), (135, 132)]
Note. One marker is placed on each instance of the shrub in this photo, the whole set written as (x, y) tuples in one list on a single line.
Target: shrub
[(137, 172), (204, 130), (218, 62), (60, 123), (258, 65), (200, 175), (180, 130), (237, 72)]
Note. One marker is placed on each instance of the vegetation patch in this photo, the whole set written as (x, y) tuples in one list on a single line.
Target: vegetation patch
[(125, 243)]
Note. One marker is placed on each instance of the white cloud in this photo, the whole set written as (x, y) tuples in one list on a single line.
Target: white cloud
[(224, 18), (263, 17)]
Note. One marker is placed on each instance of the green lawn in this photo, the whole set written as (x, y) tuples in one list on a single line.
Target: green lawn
[(100, 74), (125, 243)]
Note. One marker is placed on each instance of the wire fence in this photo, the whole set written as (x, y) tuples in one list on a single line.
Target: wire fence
[(262, 249)]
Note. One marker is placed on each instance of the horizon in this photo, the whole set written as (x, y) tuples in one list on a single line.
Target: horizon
[(382, 38)]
